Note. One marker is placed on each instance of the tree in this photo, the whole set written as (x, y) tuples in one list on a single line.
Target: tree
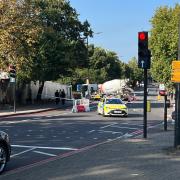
[(104, 65), (164, 42), (44, 39), (135, 73), (19, 31)]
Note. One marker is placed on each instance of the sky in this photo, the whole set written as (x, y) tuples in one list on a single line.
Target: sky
[(116, 23)]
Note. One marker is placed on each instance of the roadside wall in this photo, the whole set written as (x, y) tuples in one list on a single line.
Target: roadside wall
[(28, 93)]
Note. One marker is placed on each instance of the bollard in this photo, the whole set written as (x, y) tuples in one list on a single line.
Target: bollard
[(158, 97), (148, 106)]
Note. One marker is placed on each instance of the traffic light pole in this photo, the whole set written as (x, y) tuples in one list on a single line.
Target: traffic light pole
[(145, 105), (144, 59)]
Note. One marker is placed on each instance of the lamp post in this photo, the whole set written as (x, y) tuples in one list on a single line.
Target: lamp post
[(87, 43)]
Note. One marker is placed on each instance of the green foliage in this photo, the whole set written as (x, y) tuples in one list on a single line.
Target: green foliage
[(105, 65), (44, 39), (164, 42), (133, 72), (18, 33)]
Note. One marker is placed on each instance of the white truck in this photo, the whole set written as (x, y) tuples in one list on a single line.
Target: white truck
[(114, 86), (88, 89)]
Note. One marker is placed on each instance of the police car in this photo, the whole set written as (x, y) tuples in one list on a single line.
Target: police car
[(112, 107)]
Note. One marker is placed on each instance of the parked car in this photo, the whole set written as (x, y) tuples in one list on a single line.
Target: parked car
[(112, 107), (162, 92), (5, 150)]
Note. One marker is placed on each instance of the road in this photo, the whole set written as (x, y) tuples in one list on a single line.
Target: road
[(43, 137)]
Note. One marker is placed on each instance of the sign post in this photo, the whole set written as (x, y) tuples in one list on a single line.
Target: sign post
[(175, 77)]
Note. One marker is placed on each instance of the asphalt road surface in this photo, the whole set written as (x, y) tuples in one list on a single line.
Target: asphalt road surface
[(43, 137)]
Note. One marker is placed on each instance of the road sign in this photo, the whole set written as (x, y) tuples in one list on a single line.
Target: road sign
[(175, 75), (175, 79), (175, 65)]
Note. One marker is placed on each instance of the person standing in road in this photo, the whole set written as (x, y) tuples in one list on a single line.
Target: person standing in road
[(56, 97), (60, 95), (63, 95)]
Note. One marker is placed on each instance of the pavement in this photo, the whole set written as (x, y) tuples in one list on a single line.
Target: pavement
[(32, 108), (153, 158)]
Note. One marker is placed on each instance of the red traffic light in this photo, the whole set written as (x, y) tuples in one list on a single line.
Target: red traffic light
[(12, 67), (12, 71), (142, 36)]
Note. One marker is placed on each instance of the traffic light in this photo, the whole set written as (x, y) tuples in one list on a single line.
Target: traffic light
[(12, 71), (144, 54)]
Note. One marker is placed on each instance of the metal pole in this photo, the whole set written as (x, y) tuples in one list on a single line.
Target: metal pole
[(177, 103), (88, 66), (14, 96), (145, 105), (165, 112)]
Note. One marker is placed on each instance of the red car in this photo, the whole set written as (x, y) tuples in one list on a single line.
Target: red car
[(162, 92)]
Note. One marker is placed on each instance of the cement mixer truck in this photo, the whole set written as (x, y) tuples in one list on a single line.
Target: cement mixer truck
[(113, 86)]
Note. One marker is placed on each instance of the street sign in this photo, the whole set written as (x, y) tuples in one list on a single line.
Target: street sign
[(175, 75), (175, 65)]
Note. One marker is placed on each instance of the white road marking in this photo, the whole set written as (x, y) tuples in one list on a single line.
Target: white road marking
[(107, 125), (32, 120), (127, 135), (48, 154), (37, 118), (137, 110), (113, 132), (123, 127), (91, 131), (149, 127), (22, 152), (40, 147), (133, 124)]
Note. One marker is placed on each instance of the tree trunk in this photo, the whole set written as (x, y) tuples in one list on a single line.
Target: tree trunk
[(41, 86)]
